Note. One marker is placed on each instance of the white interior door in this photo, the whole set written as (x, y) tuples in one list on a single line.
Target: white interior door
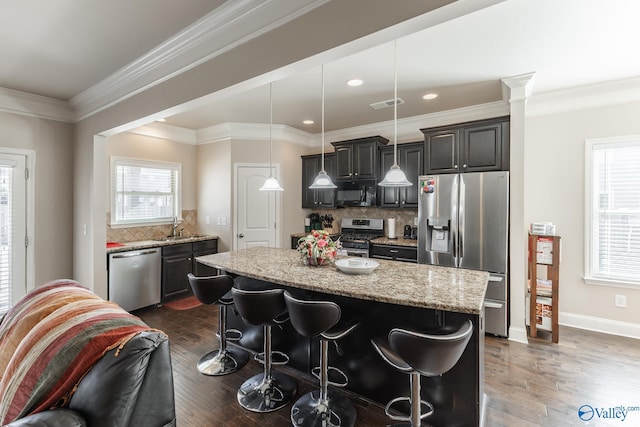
[(13, 229), (256, 214)]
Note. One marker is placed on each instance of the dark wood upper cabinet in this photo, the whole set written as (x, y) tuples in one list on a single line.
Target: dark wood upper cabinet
[(468, 147), (311, 166), (357, 159), (411, 161)]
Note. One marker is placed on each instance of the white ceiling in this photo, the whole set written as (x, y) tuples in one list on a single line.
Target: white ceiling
[(67, 46)]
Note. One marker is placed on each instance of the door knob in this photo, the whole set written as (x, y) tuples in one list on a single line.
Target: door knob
[(241, 235)]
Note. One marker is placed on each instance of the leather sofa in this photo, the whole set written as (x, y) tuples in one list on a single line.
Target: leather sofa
[(129, 385)]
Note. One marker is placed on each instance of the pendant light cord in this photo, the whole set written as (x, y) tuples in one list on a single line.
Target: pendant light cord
[(395, 102), (322, 119), (270, 126)]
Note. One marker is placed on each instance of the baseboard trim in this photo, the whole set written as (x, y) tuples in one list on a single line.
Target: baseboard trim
[(596, 324), (518, 335)]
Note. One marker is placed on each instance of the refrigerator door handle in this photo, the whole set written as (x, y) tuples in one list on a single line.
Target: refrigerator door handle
[(461, 220)]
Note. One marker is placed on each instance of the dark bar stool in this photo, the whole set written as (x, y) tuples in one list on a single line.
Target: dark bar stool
[(326, 407), (418, 354), (214, 290), (268, 391)]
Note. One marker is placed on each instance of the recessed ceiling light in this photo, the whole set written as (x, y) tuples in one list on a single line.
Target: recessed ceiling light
[(430, 96), (354, 82), (161, 120), (308, 122)]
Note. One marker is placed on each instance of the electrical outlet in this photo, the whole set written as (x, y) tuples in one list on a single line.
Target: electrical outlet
[(415, 220), (621, 301), (208, 220)]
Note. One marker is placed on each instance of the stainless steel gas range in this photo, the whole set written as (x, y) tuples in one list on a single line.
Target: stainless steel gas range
[(356, 234)]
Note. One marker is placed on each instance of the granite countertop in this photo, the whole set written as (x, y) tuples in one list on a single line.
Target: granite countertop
[(144, 244), (400, 241), (417, 285)]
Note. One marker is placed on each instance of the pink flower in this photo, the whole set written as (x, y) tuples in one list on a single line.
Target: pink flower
[(322, 243)]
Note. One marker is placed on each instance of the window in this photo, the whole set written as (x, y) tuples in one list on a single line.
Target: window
[(144, 192), (612, 222)]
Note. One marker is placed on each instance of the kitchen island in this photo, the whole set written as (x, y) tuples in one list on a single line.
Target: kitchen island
[(396, 294)]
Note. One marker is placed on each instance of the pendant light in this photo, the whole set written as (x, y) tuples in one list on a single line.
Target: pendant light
[(395, 177), (271, 183), (323, 180)]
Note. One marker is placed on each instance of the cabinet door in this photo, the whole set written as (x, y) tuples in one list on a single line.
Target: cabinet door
[(364, 160), (388, 197), (174, 275), (326, 198), (442, 151), (310, 169), (411, 160), (344, 162), (205, 247), (481, 148)]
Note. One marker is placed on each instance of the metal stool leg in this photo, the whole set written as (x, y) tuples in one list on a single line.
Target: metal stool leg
[(268, 391), (224, 360), (326, 407), (417, 415)]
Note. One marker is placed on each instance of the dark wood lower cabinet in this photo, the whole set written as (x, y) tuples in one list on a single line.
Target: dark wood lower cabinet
[(394, 253), (178, 261)]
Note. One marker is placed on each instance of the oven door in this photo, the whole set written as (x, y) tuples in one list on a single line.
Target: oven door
[(363, 253)]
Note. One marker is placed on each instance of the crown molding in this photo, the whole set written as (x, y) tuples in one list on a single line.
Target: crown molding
[(253, 132), (409, 128), (228, 26), (584, 97), (168, 132), (27, 104)]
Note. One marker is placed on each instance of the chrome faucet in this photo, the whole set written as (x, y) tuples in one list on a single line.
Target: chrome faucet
[(175, 227)]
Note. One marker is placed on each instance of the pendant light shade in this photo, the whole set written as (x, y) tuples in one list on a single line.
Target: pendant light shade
[(395, 177), (271, 183), (323, 181)]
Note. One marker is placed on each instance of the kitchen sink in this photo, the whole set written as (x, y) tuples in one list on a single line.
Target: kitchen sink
[(177, 238)]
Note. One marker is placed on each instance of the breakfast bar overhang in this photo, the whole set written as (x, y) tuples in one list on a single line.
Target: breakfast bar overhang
[(413, 296)]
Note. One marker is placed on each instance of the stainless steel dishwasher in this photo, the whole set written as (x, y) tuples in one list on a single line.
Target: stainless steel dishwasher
[(134, 278)]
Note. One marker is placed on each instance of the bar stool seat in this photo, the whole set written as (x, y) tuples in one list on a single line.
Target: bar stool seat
[(418, 354), (325, 407), (216, 290), (268, 391)]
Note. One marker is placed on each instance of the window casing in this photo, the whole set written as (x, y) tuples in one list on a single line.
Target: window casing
[(144, 192), (612, 211)]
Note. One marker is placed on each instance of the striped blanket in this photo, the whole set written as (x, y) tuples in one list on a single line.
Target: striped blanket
[(50, 339)]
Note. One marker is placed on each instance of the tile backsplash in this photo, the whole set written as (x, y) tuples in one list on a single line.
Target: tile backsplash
[(189, 226), (402, 216)]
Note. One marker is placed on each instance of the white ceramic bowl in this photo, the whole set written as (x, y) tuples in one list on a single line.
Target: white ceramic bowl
[(360, 266)]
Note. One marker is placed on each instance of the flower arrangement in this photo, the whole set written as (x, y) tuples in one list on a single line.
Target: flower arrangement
[(317, 248)]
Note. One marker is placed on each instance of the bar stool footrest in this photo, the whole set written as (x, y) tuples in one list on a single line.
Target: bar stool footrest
[(423, 404), (277, 358), (344, 380)]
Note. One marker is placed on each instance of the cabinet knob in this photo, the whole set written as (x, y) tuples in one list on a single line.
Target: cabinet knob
[(464, 165), (241, 235), (455, 166), (356, 173)]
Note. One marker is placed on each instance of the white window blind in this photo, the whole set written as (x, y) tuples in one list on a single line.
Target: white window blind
[(6, 239), (144, 191), (613, 211)]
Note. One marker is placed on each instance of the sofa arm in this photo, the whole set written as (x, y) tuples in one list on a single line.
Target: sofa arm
[(54, 418)]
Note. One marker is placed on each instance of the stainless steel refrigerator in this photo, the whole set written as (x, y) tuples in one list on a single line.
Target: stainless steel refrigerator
[(463, 222)]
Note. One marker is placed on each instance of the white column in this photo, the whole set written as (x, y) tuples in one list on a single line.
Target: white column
[(517, 90)]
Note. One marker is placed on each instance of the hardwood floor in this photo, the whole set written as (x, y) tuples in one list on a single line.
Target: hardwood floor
[(539, 384)]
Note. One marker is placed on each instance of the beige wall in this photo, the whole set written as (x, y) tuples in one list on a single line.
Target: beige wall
[(148, 148), (554, 188), (214, 190), (52, 143), (215, 184)]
